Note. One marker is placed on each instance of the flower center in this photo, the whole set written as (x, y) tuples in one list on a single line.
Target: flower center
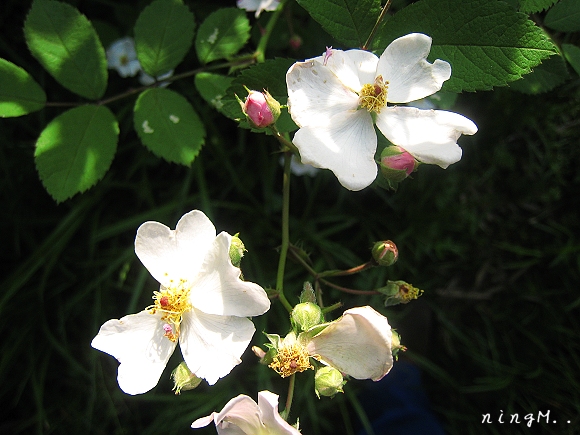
[(291, 359), (172, 302), (373, 97), (124, 60)]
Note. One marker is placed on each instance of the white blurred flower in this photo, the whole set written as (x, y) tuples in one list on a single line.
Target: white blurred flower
[(146, 80), (358, 344), (242, 416), (298, 168), (336, 98), (121, 55), (202, 303), (258, 5)]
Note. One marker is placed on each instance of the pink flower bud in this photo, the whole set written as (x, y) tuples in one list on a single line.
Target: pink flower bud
[(400, 160), (295, 42), (257, 110)]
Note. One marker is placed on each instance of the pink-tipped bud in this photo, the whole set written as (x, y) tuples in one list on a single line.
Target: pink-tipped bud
[(261, 109), (295, 42), (396, 163)]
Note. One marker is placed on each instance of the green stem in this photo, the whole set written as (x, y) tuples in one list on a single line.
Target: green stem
[(285, 232), (377, 24), (286, 411), (260, 52)]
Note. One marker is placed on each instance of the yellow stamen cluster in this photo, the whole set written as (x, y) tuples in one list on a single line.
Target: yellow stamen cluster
[(407, 292), (291, 359), (172, 301), (373, 97)]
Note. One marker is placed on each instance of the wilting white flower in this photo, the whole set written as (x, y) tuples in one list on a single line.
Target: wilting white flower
[(242, 416), (358, 344), (121, 55), (202, 303), (258, 5), (335, 99)]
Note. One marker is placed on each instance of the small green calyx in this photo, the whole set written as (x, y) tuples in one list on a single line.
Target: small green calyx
[(328, 381), (237, 250), (183, 379)]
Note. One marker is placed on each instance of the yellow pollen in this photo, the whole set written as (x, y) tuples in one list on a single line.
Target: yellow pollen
[(408, 292), (172, 302), (291, 359), (373, 97)]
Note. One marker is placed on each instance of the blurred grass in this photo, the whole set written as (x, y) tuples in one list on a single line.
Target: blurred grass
[(493, 241)]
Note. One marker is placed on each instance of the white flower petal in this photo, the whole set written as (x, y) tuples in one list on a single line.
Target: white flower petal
[(268, 404), (212, 345), (354, 68), (242, 412), (347, 147), (358, 344), (203, 421), (175, 254), (258, 5), (218, 288), (315, 94), (429, 135), (403, 64), (138, 342)]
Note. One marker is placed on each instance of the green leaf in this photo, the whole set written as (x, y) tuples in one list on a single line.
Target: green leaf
[(168, 125), (163, 35), (67, 46), (565, 16), (19, 93), (349, 21), (572, 55), (545, 77), (222, 34), (213, 87), (488, 44), (533, 6), (269, 75), (75, 150)]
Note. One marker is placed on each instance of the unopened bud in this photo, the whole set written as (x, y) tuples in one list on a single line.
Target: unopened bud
[(399, 292), (261, 109), (328, 381), (183, 379), (295, 42), (396, 163), (237, 250), (306, 315), (385, 253)]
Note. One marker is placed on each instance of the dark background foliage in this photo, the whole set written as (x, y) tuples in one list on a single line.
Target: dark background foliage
[(494, 241)]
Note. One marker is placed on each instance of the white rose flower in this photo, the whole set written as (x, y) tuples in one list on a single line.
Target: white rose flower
[(336, 98), (202, 303), (358, 344), (242, 416)]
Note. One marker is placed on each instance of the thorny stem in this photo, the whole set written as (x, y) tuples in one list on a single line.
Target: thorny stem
[(285, 232), (377, 24), (260, 52)]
